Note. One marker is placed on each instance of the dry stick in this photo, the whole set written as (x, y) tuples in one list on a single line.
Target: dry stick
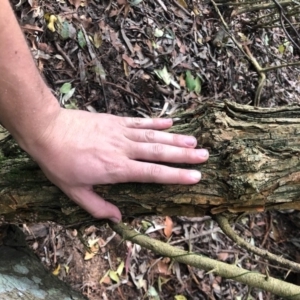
[(129, 92), (98, 65), (261, 73), (257, 280), (182, 8), (225, 226), (297, 63), (256, 7), (64, 55)]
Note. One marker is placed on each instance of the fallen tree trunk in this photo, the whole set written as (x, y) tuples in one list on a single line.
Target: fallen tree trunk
[(254, 165)]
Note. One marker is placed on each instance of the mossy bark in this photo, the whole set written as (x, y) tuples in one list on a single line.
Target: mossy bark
[(254, 165)]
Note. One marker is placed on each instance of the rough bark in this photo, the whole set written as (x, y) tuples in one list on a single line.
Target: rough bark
[(254, 165), (22, 276)]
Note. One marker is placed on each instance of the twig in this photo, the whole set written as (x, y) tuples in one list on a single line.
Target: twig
[(182, 8), (129, 92), (126, 39), (225, 226), (297, 63), (64, 55), (229, 271), (101, 73)]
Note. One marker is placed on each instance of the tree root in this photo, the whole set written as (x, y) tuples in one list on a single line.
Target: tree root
[(253, 279)]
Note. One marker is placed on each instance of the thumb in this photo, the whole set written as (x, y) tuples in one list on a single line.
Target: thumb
[(96, 206)]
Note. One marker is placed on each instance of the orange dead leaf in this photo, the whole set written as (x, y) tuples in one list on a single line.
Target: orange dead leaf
[(169, 227)]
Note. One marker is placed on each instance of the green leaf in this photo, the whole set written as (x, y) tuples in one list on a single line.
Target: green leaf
[(64, 30), (65, 88), (114, 276), (120, 268), (158, 32), (71, 105), (281, 48), (193, 84), (81, 39), (153, 293), (99, 70), (135, 2), (164, 75), (180, 297), (67, 96), (198, 85)]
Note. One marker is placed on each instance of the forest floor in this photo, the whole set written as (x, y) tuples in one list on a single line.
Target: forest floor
[(151, 58)]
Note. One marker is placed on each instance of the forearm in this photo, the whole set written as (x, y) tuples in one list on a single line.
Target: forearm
[(26, 103)]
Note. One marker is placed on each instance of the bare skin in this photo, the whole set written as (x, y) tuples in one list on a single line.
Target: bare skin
[(78, 149)]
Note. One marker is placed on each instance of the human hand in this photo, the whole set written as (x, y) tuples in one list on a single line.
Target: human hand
[(81, 149)]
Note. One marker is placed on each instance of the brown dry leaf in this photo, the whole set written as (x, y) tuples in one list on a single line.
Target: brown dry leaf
[(45, 47), (169, 227), (97, 39), (28, 27), (182, 80), (129, 61), (77, 3), (223, 256), (163, 268), (122, 2)]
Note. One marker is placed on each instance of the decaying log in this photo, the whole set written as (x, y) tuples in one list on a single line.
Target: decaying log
[(254, 165)]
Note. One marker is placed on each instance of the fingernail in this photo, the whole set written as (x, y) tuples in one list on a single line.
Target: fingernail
[(195, 175), (190, 141), (202, 152), (115, 220)]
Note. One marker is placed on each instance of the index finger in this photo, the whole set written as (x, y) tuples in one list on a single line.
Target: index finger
[(146, 123)]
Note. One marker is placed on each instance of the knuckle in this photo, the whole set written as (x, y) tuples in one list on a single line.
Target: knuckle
[(113, 170), (186, 153), (176, 139), (149, 135), (95, 214), (136, 122), (158, 149), (154, 171)]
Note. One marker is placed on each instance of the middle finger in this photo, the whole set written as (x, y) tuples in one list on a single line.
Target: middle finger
[(167, 153)]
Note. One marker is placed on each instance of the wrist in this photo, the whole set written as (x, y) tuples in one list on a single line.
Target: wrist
[(32, 125)]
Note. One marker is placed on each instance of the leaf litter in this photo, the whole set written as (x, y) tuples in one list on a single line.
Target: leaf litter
[(152, 58)]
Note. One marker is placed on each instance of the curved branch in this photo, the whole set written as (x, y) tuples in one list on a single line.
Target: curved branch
[(270, 284), (226, 228)]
